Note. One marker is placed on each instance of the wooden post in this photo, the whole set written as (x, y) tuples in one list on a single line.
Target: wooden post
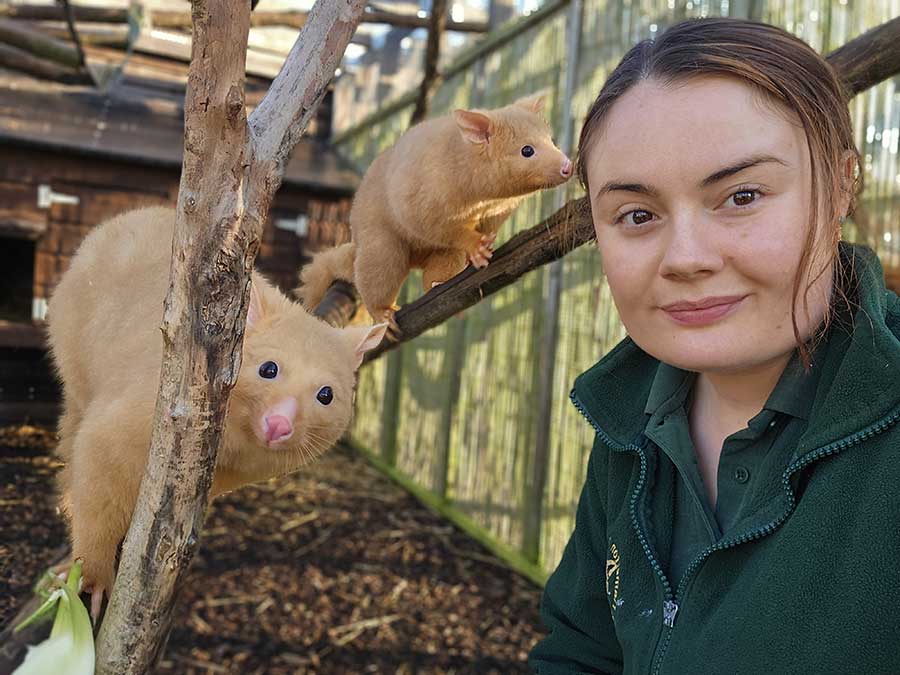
[(537, 475), (390, 410), (390, 400), (393, 381), (456, 356), (232, 168)]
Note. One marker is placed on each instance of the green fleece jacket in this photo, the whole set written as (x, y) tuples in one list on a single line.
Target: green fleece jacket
[(809, 583)]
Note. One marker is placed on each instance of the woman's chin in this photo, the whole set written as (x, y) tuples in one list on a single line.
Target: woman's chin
[(721, 353)]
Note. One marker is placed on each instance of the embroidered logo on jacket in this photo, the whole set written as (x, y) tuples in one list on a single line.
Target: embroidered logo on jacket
[(612, 573)]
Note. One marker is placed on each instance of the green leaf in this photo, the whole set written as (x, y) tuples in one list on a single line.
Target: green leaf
[(70, 647)]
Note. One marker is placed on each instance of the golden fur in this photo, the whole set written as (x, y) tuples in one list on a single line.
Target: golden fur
[(435, 199), (104, 320)]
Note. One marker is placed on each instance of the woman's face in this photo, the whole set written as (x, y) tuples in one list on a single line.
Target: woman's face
[(700, 196)]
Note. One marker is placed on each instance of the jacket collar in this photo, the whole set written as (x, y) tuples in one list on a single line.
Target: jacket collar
[(859, 386)]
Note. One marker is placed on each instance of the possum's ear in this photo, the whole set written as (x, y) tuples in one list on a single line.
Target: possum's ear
[(365, 338), (534, 103), (475, 127), (256, 310)]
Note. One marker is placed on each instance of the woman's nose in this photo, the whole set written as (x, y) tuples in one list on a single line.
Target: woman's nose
[(691, 249)]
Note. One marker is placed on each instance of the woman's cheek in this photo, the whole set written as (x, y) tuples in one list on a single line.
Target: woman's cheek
[(625, 276)]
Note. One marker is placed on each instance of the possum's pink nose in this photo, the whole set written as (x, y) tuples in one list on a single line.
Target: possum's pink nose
[(566, 169), (278, 427)]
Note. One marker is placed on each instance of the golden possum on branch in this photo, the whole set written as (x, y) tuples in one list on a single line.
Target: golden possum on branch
[(291, 402), (436, 199)]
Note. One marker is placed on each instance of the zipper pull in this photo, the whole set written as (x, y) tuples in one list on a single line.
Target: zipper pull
[(670, 609)]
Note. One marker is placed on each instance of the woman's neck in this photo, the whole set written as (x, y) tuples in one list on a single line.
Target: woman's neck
[(723, 404), (732, 399)]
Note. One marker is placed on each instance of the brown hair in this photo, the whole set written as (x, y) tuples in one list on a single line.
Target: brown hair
[(779, 65)]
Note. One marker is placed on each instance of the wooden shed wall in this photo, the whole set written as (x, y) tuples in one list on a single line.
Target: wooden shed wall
[(51, 235)]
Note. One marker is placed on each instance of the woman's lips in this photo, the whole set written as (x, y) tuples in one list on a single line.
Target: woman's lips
[(702, 312)]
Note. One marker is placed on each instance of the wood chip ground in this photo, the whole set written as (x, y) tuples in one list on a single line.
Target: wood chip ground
[(332, 570)]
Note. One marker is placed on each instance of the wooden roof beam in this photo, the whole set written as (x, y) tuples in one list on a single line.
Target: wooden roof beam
[(177, 19)]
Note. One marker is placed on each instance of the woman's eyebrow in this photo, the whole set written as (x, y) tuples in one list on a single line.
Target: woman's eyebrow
[(721, 174), (754, 160), (639, 188)]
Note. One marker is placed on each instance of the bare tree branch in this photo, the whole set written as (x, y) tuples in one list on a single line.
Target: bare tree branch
[(437, 21), (231, 170), (278, 121), (869, 58), (70, 20), (564, 231)]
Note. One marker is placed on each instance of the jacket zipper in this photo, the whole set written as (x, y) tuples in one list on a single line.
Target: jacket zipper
[(671, 602), (670, 608)]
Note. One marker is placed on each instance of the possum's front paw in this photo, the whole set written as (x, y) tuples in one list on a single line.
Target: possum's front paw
[(93, 580), (97, 585), (98, 576), (393, 333), (479, 251)]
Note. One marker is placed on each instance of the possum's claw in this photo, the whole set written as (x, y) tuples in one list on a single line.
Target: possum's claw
[(483, 254), (393, 333), (97, 591), (96, 604)]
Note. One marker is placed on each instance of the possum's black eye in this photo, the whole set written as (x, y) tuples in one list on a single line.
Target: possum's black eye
[(325, 396), (268, 370), (527, 151)]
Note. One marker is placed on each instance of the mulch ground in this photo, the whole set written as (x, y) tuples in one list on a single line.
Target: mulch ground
[(332, 570)]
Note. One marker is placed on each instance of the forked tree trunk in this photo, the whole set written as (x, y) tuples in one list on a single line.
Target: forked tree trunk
[(231, 169)]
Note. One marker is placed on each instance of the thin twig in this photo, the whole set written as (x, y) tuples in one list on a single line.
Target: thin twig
[(355, 629), (322, 538), (70, 19), (431, 79)]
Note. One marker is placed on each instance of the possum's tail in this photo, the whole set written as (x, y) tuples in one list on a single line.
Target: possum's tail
[(325, 268)]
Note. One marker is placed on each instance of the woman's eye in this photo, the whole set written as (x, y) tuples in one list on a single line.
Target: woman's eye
[(635, 218), (527, 151), (268, 370), (744, 197), (325, 396)]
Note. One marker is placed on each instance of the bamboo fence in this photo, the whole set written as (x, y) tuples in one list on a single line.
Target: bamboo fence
[(452, 413)]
